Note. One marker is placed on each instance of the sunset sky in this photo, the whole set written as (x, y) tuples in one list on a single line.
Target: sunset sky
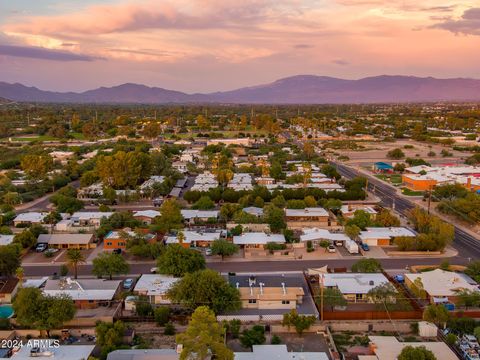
[(210, 45)]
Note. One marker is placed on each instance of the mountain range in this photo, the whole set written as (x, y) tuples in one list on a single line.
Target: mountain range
[(300, 89)]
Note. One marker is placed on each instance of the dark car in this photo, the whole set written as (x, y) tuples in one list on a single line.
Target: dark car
[(365, 247), (117, 251)]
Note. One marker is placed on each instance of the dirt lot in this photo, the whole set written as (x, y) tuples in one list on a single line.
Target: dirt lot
[(377, 151)]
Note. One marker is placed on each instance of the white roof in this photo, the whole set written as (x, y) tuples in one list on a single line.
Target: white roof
[(388, 348), (354, 283), (6, 239), (36, 283), (67, 352), (278, 352), (154, 284), (88, 215), (252, 210), (191, 214), (117, 234), (258, 238), (418, 169), (442, 283), (147, 213), (322, 234), (191, 236), (34, 217), (153, 180), (345, 209), (309, 211), (82, 289), (385, 233)]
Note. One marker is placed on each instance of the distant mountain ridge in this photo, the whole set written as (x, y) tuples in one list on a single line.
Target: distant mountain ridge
[(300, 89)]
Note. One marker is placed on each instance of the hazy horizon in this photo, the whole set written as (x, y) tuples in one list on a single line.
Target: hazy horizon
[(201, 46)]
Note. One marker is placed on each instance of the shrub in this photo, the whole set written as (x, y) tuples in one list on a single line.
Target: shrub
[(275, 340), (162, 315), (169, 329)]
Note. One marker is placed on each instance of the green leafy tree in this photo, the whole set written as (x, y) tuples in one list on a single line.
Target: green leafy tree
[(367, 266), (143, 306), (473, 270), (324, 244), (352, 231), (224, 248), (26, 238), (436, 314), (360, 219), (177, 261), (396, 154), (162, 315), (170, 217), (109, 336), (36, 166), (300, 322), (109, 264), (416, 353), (253, 336), (75, 258), (468, 298), (333, 297), (383, 294), (9, 260), (205, 287), (275, 218), (204, 203), (386, 219), (41, 312), (204, 337)]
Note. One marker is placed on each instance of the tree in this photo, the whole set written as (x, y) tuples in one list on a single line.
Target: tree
[(109, 264), (223, 248), (449, 192), (253, 336), (473, 270), (275, 218), (177, 261), (74, 258), (143, 306), (361, 219), (333, 297), (383, 294), (52, 218), (205, 287), (170, 217), (325, 244), (66, 204), (396, 154), (300, 322), (352, 231), (26, 238), (367, 266), (9, 259), (162, 315), (386, 219), (41, 312), (204, 203), (123, 169), (36, 166), (12, 198), (437, 314), (468, 298), (109, 336), (416, 353), (204, 337)]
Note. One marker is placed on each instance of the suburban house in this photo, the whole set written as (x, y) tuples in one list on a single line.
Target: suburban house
[(348, 211), (264, 180), (278, 352), (241, 181), (269, 296), (86, 293), (146, 216), (252, 210), (118, 239), (196, 238), (388, 348), (205, 182), (144, 354), (308, 217), (383, 236), (318, 235), (29, 218), (354, 286), (70, 352), (194, 216), (67, 241), (238, 141), (8, 289), (257, 239), (441, 286), (6, 239), (82, 220), (155, 287)]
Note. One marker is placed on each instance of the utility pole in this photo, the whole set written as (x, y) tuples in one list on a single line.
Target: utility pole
[(429, 198), (321, 295)]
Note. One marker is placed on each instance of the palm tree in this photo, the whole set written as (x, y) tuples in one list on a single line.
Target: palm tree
[(75, 257)]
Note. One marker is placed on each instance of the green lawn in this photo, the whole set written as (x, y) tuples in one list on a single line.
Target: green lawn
[(392, 178), (409, 192)]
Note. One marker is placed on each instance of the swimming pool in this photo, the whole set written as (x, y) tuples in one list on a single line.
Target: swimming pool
[(6, 311)]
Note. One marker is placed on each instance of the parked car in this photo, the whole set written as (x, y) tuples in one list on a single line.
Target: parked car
[(127, 283), (208, 252), (117, 251), (41, 247), (365, 247), (153, 270), (338, 243), (331, 249), (51, 251), (399, 278)]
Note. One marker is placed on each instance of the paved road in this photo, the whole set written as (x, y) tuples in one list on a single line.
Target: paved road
[(466, 245), (41, 204)]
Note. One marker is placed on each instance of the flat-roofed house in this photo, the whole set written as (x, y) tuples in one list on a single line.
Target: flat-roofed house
[(318, 235), (155, 287), (67, 241), (278, 352), (63, 352), (85, 293), (441, 286), (192, 216), (354, 286), (196, 238), (29, 218), (389, 348), (308, 218), (118, 239), (8, 289), (258, 239), (383, 236), (348, 211), (146, 216), (89, 218), (6, 239)]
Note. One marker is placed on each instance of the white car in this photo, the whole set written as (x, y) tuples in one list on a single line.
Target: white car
[(208, 252), (153, 270), (331, 249)]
